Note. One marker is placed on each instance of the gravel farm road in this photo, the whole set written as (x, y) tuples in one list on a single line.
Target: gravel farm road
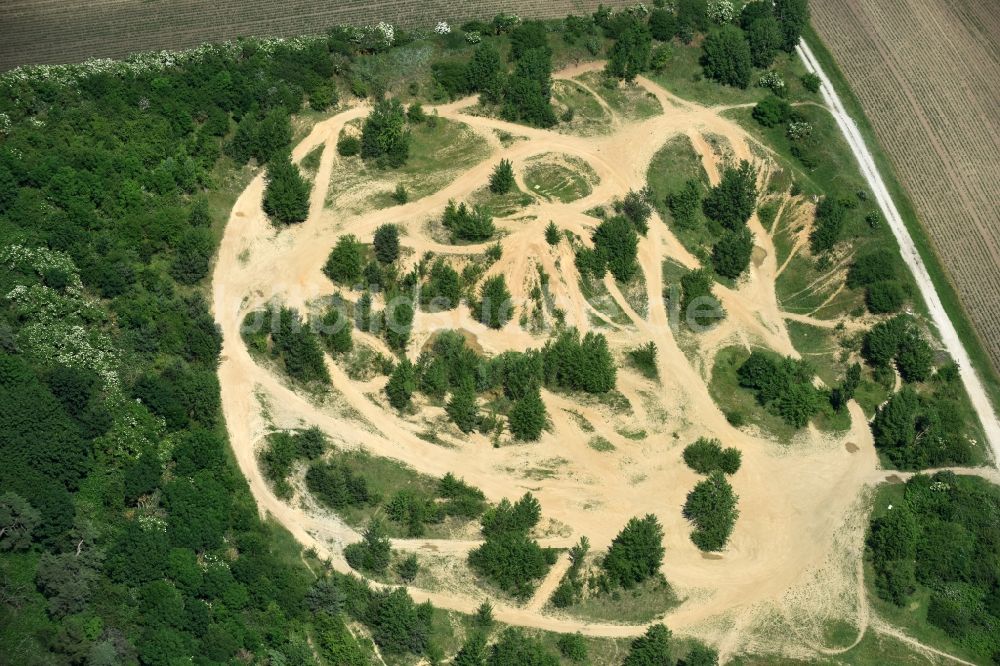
[(949, 336)]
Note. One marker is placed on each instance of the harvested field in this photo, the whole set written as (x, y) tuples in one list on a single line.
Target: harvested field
[(928, 77), (59, 31)]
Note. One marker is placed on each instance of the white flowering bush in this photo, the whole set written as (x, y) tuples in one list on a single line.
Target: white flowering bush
[(721, 11), (473, 37), (773, 82), (442, 28), (5, 124), (506, 22), (799, 130), (62, 326)]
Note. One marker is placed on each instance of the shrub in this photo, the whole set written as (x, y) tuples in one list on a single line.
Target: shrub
[(502, 177), (636, 553), (577, 365), (494, 307), (630, 53), (734, 199), (345, 261), (698, 304), (764, 39), (684, 204), (402, 383), (830, 216), (573, 647), (286, 199), (461, 407), (874, 266), (636, 209), (884, 297), (650, 649), (443, 290), (323, 97), (386, 243), (644, 358), (408, 568), (508, 557), (662, 24), (783, 385), (616, 240), (552, 233), (400, 195), (711, 506), (348, 145), (772, 111), (336, 331), (384, 137), (811, 82), (706, 456), (527, 417), (466, 224), (732, 252), (336, 486)]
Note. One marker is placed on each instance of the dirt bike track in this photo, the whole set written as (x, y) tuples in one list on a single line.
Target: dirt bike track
[(798, 504)]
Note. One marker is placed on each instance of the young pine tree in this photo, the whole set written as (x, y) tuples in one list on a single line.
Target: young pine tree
[(286, 199), (502, 178)]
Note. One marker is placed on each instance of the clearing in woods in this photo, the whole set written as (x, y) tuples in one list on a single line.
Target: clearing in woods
[(792, 563), (927, 75)]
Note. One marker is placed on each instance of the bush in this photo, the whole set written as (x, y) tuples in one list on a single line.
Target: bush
[(629, 54), (443, 290), (711, 506), (400, 195), (662, 24), (402, 383), (684, 204), (616, 240), (644, 358), (502, 177), (636, 553), (336, 486), (372, 553), (508, 557), (386, 243), (475, 225), (323, 97), (636, 209), (384, 137), (772, 111), (552, 234), (573, 647), (698, 304), (348, 145), (650, 649), (577, 365), (336, 331), (885, 297), (783, 385), (527, 417), (875, 266), (462, 408), (732, 252), (830, 216), (494, 307), (345, 261), (764, 39), (811, 82), (706, 456), (734, 199), (286, 199)]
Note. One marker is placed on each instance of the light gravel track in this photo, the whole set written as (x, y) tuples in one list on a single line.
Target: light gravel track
[(949, 336)]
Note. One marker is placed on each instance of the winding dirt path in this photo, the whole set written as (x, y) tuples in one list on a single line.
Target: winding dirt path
[(794, 498)]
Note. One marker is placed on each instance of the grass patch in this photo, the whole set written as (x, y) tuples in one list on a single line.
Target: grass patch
[(500, 205), (671, 167), (386, 477), (601, 444), (630, 101), (310, 163), (559, 177), (819, 347), (683, 77), (589, 117), (439, 150), (647, 601)]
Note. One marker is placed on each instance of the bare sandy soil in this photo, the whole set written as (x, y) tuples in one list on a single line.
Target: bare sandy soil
[(802, 504)]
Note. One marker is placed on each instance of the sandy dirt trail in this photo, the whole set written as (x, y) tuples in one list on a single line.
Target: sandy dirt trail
[(793, 498), (949, 336)]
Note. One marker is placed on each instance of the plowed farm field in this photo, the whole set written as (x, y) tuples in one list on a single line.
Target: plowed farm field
[(927, 74)]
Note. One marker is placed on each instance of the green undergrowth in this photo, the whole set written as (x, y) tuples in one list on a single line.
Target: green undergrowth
[(589, 117), (629, 100), (440, 149), (971, 340), (559, 177)]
